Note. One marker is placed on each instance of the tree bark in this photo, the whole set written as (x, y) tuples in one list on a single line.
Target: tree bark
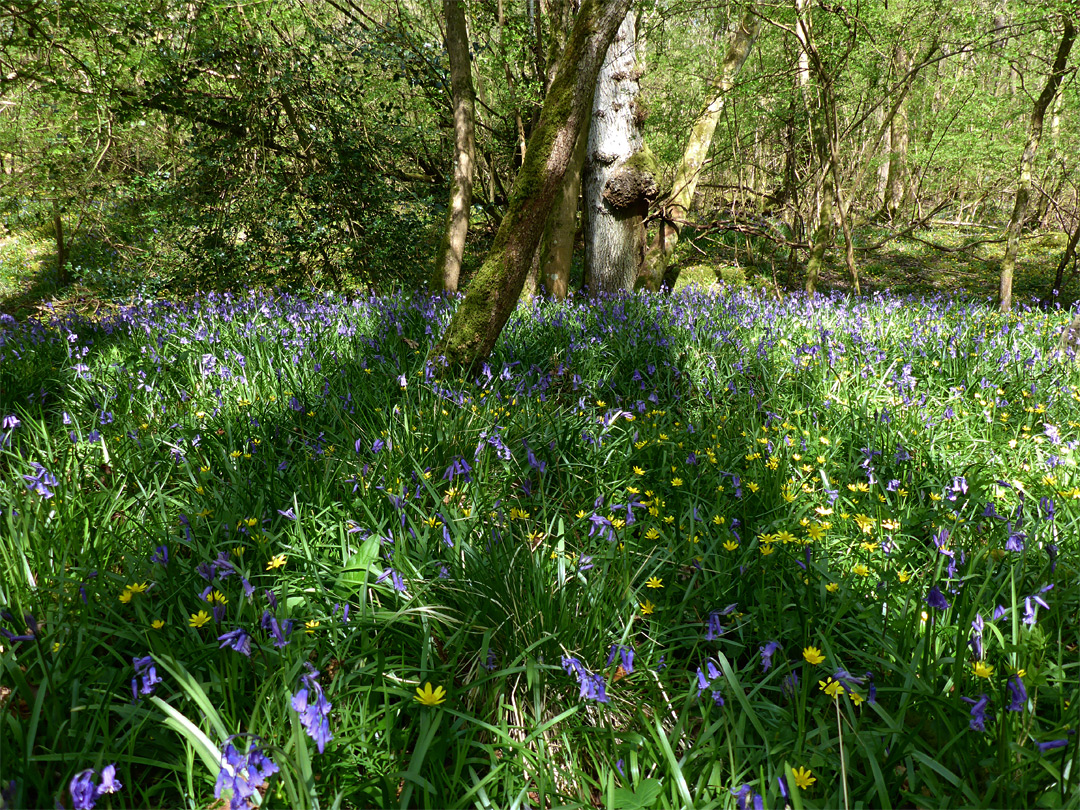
[(62, 278), (493, 293), (896, 179), (556, 253), (1023, 190), (655, 267), (452, 246), (619, 178)]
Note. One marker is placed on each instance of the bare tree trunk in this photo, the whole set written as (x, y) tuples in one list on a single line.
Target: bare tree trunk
[(452, 246), (494, 291), (1066, 257), (896, 180), (1023, 190), (655, 272), (618, 179)]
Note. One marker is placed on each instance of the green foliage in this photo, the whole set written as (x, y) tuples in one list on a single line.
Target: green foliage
[(621, 475)]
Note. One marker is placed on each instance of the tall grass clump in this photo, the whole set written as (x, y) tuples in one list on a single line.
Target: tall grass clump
[(708, 550)]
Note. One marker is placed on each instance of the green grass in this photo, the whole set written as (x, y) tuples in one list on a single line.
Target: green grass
[(688, 478)]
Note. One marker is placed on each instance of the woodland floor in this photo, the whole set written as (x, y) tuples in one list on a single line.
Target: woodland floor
[(963, 260)]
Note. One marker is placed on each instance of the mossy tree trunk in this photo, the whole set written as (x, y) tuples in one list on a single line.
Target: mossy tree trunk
[(494, 292), (452, 246), (1027, 159), (552, 262), (654, 271)]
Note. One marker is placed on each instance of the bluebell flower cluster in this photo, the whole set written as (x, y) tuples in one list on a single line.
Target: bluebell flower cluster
[(314, 709)]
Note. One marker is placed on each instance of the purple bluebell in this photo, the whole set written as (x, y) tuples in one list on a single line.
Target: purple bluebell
[(490, 661), (625, 655), (1018, 694), (705, 679), (1015, 541), (41, 481), (394, 577), (715, 628), (238, 640), (242, 775), (160, 555), (1052, 745), (146, 677), (288, 514), (747, 799), (311, 704), (109, 782), (83, 790), (767, 652), (978, 712), (593, 686), (976, 641), (936, 599)]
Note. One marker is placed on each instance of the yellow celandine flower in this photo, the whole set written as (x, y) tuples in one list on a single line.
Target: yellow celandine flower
[(861, 570), (813, 655), (216, 597), (730, 545), (641, 444), (432, 522), (903, 576), (823, 510), (654, 582), (890, 524), (832, 587), (652, 534), (309, 627), (157, 624), (428, 696), (856, 698), (633, 490), (669, 519), (750, 485), (766, 549), (718, 520), (981, 669), (137, 587), (235, 454), (638, 470), (783, 537), (866, 523), (581, 514), (125, 596), (199, 619), (867, 545), (238, 551), (647, 607), (833, 689), (535, 537), (276, 562), (804, 778), (815, 532), (676, 482)]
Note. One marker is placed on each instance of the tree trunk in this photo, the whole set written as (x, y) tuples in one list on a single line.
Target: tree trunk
[(62, 278), (556, 253), (452, 246), (1023, 191), (896, 180), (494, 291), (618, 179), (655, 268), (550, 272)]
